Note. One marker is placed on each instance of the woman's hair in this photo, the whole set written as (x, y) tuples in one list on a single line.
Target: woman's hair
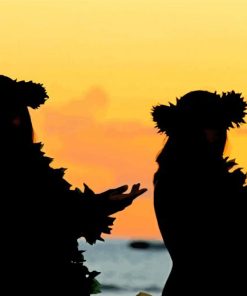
[(23, 126)]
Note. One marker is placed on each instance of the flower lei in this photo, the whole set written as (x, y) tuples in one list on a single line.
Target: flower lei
[(200, 108), (99, 222), (22, 93)]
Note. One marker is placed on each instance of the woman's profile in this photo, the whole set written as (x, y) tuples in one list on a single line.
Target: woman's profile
[(41, 215), (199, 194)]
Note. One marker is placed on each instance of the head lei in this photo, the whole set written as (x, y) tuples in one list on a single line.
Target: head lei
[(200, 109), (21, 93)]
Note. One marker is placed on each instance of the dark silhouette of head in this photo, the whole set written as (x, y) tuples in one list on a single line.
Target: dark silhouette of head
[(15, 122), (198, 122)]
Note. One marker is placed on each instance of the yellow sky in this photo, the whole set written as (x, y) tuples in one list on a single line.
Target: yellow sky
[(105, 63)]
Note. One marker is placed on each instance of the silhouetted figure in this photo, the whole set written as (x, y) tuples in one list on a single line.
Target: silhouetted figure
[(41, 216), (200, 196)]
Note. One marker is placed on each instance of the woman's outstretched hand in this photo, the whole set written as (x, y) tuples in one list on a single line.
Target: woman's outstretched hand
[(117, 194), (116, 199), (101, 206)]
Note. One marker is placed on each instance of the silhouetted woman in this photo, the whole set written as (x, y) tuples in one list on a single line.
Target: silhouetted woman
[(41, 216), (199, 197)]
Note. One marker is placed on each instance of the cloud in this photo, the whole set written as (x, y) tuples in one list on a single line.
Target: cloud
[(97, 151)]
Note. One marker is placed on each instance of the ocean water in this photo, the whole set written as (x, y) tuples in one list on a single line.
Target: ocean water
[(126, 271)]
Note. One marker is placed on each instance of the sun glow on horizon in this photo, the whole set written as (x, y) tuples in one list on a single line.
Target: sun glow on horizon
[(105, 64)]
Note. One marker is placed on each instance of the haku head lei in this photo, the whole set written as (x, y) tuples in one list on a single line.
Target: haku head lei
[(21, 93), (201, 109)]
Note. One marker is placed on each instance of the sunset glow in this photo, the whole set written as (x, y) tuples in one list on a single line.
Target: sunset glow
[(104, 65)]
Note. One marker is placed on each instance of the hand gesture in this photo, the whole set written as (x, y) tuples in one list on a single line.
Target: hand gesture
[(115, 200)]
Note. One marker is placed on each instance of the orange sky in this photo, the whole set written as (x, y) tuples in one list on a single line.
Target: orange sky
[(104, 64)]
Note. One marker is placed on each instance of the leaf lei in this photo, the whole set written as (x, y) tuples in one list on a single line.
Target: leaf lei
[(91, 231)]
